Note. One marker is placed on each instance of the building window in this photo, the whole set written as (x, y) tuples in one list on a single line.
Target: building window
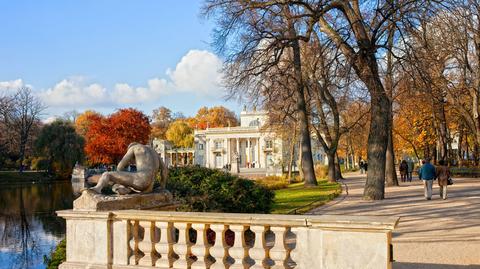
[(218, 144), (268, 144), (200, 146)]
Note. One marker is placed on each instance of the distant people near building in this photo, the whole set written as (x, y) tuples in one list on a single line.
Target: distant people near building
[(362, 167), (403, 170), (443, 174), (365, 166), (410, 169), (427, 173)]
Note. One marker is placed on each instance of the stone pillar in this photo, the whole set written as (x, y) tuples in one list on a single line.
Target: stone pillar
[(257, 159), (249, 151), (207, 150), (238, 147)]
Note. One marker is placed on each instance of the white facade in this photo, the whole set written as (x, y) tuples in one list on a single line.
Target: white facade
[(257, 149)]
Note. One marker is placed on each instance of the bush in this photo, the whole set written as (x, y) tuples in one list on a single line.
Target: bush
[(321, 171), (57, 256), (273, 182), (39, 163), (203, 189)]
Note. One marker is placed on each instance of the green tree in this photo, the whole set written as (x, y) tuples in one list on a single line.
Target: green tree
[(180, 134), (61, 145)]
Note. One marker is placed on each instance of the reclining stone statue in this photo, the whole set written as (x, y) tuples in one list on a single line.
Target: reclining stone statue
[(148, 164)]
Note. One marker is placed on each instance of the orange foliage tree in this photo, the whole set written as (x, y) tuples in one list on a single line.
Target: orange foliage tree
[(107, 138), (217, 116), (82, 121)]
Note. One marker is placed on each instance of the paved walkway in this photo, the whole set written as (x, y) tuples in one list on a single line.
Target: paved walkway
[(436, 234)]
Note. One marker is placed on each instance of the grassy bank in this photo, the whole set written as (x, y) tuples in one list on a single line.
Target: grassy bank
[(296, 199), (12, 177)]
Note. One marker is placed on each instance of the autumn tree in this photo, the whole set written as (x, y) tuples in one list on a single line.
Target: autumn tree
[(83, 121), (213, 117), (180, 134), (161, 119), (107, 138), (262, 34)]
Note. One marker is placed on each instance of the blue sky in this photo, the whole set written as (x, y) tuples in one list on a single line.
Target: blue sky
[(110, 54)]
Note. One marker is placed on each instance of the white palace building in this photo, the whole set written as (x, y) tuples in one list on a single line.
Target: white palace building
[(259, 150)]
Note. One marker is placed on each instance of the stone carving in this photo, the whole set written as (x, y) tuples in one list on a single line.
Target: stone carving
[(147, 162)]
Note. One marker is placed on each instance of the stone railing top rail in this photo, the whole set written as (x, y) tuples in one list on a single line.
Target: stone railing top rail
[(321, 221)]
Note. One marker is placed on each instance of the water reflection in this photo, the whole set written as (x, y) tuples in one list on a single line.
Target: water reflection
[(29, 228)]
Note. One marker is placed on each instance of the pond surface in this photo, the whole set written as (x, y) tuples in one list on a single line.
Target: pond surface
[(29, 228)]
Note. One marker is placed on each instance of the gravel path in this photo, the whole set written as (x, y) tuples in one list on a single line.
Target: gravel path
[(434, 234)]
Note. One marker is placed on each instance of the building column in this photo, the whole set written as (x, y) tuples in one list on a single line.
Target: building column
[(257, 158), (207, 150), (249, 151), (238, 148), (227, 149)]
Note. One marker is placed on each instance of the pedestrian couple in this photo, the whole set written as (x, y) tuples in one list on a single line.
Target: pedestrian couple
[(406, 169), (428, 173)]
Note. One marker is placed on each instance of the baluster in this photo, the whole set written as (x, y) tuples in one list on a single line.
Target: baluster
[(258, 251), (181, 247), (146, 245), (200, 249), (278, 253), (133, 242), (218, 250), (290, 245), (165, 245), (237, 251)]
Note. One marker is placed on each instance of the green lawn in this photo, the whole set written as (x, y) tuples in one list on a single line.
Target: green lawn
[(8, 177), (296, 199)]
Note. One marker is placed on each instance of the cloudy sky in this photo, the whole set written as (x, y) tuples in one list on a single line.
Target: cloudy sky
[(110, 54)]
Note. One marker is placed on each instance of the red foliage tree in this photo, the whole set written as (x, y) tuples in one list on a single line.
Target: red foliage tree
[(107, 138)]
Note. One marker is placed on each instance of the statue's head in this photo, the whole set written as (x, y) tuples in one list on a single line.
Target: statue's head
[(133, 144)]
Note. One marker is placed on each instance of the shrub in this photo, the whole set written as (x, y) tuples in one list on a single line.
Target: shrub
[(57, 256), (203, 189), (39, 163), (321, 171), (273, 182)]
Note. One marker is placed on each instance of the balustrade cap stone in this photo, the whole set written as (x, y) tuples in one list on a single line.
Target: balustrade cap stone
[(353, 222), (332, 222)]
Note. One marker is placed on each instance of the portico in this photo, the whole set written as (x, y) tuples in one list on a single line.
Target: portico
[(256, 148)]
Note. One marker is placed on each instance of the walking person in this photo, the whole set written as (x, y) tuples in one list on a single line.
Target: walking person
[(403, 170), (409, 170), (443, 174), (362, 167), (427, 174)]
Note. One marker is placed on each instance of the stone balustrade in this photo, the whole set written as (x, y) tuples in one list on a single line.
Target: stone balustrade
[(159, 239)]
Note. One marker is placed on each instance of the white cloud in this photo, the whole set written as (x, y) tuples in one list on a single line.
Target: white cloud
[(74, 91), (126, 94), (198, 71), (11, 84)]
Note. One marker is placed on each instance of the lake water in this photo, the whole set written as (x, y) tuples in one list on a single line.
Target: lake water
[(29, 228)]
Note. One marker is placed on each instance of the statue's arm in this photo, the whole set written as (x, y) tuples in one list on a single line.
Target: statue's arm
[(125, 160)]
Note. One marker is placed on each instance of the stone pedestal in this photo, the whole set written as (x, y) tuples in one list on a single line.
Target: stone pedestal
[(92, 201)]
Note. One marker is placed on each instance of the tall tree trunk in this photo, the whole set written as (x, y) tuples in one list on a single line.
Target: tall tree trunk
[(332, 175), (338, 171), (301, 109), (459, 150), (390, 171), (293, 142), (377, 140)]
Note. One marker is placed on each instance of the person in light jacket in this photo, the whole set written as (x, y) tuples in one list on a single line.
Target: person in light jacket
[(427, 173), (443, 174)]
